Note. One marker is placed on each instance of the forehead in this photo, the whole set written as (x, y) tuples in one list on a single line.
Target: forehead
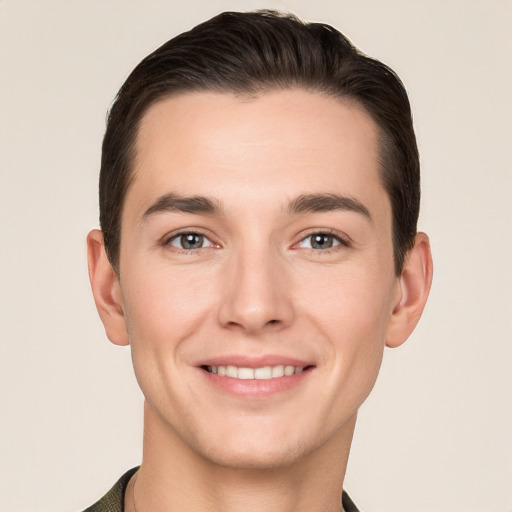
[(276, 144)]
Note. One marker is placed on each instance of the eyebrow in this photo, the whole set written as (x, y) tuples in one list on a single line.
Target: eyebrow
[(305, 203), (313, 203), (175, 203)]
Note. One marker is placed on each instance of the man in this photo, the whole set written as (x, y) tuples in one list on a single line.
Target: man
[(259, 195)]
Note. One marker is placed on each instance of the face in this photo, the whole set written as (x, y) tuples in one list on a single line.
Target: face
[(256, 272)]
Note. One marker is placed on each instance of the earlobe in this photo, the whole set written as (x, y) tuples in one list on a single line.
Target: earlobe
[(106, 289), (415, 281)]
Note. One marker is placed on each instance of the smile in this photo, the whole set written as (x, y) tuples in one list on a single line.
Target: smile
[(262, 373)]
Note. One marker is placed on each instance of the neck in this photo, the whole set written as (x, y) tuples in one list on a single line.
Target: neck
[(173, 477)]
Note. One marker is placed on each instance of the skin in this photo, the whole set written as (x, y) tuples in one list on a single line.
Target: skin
[(256, 288)]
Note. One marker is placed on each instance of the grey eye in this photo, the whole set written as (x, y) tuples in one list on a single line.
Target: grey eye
[(190, 241), (319, 241)]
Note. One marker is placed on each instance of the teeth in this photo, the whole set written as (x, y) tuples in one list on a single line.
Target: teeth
[(231, 371), (263, 373), (244, 373), (289, 370), (278, 371)]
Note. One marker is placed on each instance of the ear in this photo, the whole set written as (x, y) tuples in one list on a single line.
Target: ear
[(106, 289), (414, 287)]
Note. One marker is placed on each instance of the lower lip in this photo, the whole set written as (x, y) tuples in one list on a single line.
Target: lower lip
[(256, 388)]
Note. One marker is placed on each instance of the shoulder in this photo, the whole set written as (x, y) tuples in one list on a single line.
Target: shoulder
[(113, 501), (348, 504)]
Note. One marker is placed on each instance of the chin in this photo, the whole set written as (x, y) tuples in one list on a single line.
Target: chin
[(258, 445), (258, 457), (267, 445)]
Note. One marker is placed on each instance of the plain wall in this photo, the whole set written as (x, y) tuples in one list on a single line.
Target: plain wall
[(437, 432)]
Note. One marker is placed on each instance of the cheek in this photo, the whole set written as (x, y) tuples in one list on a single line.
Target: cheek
[(165, 303), (352, 314), (163, 308), (352, 304)]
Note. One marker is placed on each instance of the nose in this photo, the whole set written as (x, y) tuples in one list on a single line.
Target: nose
[(256, 295)]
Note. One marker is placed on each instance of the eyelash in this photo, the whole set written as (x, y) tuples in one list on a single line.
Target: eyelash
[(167, 241), (343, 242)]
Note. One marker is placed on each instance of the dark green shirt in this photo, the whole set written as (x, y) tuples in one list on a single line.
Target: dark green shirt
[(113, 501)]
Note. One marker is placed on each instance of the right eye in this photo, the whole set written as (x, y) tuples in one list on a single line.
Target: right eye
[(189, 241)]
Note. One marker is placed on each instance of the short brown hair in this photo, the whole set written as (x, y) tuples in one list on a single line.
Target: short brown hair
[(253, 52)]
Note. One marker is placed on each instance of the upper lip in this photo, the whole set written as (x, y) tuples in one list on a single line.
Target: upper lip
[(246, 361)]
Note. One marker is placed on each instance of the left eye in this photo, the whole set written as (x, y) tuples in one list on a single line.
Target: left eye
[(320, 241), (190, 241)]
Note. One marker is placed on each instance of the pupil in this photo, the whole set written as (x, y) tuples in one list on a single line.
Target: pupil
[(191, 241), (322, 242)]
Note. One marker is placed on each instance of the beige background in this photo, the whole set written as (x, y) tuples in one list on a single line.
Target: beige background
[(436, 433)]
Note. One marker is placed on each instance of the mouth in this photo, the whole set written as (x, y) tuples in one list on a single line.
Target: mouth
[(256, 377), (262, 373)]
